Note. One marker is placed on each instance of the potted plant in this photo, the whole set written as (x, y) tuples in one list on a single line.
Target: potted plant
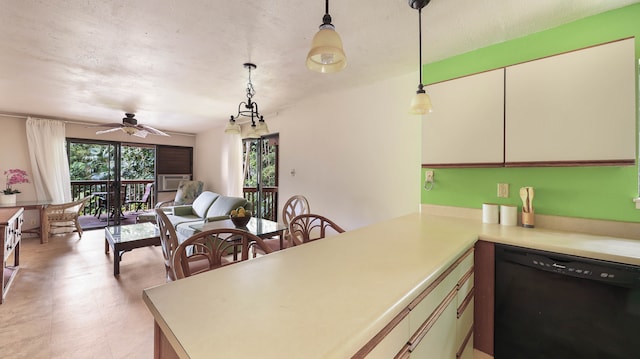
[(14, 176)]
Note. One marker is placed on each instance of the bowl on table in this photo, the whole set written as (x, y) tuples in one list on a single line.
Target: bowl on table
[(241, 222)]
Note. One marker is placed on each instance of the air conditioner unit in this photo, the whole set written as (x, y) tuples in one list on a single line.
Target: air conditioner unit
[(171, 182)]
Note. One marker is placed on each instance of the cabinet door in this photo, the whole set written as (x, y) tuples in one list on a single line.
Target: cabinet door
[(466, 127), (573, 107), (440, 341)]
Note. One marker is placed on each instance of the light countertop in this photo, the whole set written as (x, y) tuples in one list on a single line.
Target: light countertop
[(327, 298)]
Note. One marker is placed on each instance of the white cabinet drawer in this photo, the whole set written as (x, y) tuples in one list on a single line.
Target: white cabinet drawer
[(388, 347)]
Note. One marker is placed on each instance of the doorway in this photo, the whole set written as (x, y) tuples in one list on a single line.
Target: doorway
[(113, 174), (261, 170)]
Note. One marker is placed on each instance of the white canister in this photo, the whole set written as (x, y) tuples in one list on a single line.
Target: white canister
[(508, 215), (490, 213)]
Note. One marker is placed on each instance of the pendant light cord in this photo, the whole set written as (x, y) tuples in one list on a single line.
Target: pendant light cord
[(419, 42), (326, 7)]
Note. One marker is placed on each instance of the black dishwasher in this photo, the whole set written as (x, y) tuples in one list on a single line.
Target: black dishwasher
[(550, 305)]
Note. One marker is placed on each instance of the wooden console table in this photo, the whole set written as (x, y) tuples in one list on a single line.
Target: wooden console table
[(32, 205), (10, 234)]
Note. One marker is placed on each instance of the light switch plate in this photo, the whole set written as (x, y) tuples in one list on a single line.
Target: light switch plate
[(503, 190)]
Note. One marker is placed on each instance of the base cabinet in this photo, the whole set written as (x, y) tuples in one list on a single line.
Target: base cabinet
[(438, 323), (11, 232)]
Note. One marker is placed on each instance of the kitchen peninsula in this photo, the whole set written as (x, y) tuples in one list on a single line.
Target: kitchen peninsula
[(339, 297)]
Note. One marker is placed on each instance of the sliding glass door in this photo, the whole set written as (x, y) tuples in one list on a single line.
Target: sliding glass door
[(114, 174)]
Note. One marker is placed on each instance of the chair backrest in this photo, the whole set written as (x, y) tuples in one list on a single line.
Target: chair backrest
[(294, 206), (66, 211), (213, 249), (168, 242), (310, 227), (147, 192)]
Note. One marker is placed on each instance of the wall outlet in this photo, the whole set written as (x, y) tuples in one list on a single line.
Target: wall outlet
[(503, 190)]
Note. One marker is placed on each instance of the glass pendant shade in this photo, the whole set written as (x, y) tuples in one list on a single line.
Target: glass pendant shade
[(261, 128), (326, 54), (420, 103), (232, 128), (252, 132)]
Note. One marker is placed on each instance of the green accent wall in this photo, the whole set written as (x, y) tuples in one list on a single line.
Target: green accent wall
[(586, 192)]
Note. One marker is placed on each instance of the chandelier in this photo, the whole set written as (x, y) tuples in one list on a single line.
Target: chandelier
[(248, 109), (421, 102)]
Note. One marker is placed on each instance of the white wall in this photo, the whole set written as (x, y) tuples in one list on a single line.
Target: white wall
[(356, 153)]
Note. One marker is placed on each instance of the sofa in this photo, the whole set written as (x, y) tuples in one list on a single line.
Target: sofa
[(207, 207)]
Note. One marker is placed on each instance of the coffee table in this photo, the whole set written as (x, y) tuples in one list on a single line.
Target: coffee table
[(128, 237)]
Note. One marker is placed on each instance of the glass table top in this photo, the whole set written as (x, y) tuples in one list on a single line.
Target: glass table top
[(258, 226), (133, 232)]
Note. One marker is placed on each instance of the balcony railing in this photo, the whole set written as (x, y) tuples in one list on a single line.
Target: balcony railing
[(134, 189), (269, 201)]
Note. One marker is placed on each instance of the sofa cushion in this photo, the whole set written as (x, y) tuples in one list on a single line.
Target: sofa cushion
[(184, 230), (224, 205), (200, 206), (188, 191), (177, 220)]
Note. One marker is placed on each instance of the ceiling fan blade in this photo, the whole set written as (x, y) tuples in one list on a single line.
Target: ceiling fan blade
[(140, 133), (152, 130), (109, 130), (106, 125)]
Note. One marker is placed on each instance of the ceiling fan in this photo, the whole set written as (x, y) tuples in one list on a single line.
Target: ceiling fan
[(130, 126)]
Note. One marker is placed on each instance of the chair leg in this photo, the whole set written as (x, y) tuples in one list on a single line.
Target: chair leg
[(78, 227)]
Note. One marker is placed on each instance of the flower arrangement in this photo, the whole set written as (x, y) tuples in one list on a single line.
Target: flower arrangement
[(14, 176)]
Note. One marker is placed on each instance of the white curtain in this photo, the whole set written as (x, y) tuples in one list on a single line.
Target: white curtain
[(49, 164), (233, 144)]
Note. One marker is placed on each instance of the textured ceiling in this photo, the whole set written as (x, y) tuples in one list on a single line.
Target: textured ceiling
[(178, 64)]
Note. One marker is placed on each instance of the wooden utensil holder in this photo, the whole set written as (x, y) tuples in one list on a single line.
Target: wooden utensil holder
[(528, 219)]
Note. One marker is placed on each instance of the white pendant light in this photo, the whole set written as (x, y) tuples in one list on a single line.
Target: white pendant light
[(421, 102), (326, 54)]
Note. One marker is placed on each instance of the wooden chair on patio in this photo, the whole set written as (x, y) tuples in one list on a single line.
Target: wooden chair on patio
[(142, 200), (63, 218)]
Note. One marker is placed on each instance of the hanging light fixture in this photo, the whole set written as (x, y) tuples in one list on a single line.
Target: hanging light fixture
[(248, 109), (326, 54), (421, 102)]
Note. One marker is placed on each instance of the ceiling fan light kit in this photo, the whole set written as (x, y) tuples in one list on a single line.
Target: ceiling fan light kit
[(131, 127), (421, 102), (248, 109), (326, 54)]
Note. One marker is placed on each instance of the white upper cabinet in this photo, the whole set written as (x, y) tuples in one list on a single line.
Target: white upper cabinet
[(577, 107), (466, 126)]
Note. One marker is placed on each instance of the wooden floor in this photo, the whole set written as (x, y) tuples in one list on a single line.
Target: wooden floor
[(66, 303)]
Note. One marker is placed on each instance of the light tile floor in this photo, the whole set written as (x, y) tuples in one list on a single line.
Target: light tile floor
[(66, 303)]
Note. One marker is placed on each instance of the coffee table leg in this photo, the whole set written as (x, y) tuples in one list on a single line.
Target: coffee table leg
[(116, 262)]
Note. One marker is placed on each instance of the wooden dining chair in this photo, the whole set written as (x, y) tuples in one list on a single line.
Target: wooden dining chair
[(305, 228), (168, 242), (294, 206), (211, 249)]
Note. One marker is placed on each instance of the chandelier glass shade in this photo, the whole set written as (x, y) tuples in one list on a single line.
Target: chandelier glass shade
[(421, 102), (250, 110), (326, 54)]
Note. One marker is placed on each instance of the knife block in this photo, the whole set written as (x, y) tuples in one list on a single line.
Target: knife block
[(528, 219)]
